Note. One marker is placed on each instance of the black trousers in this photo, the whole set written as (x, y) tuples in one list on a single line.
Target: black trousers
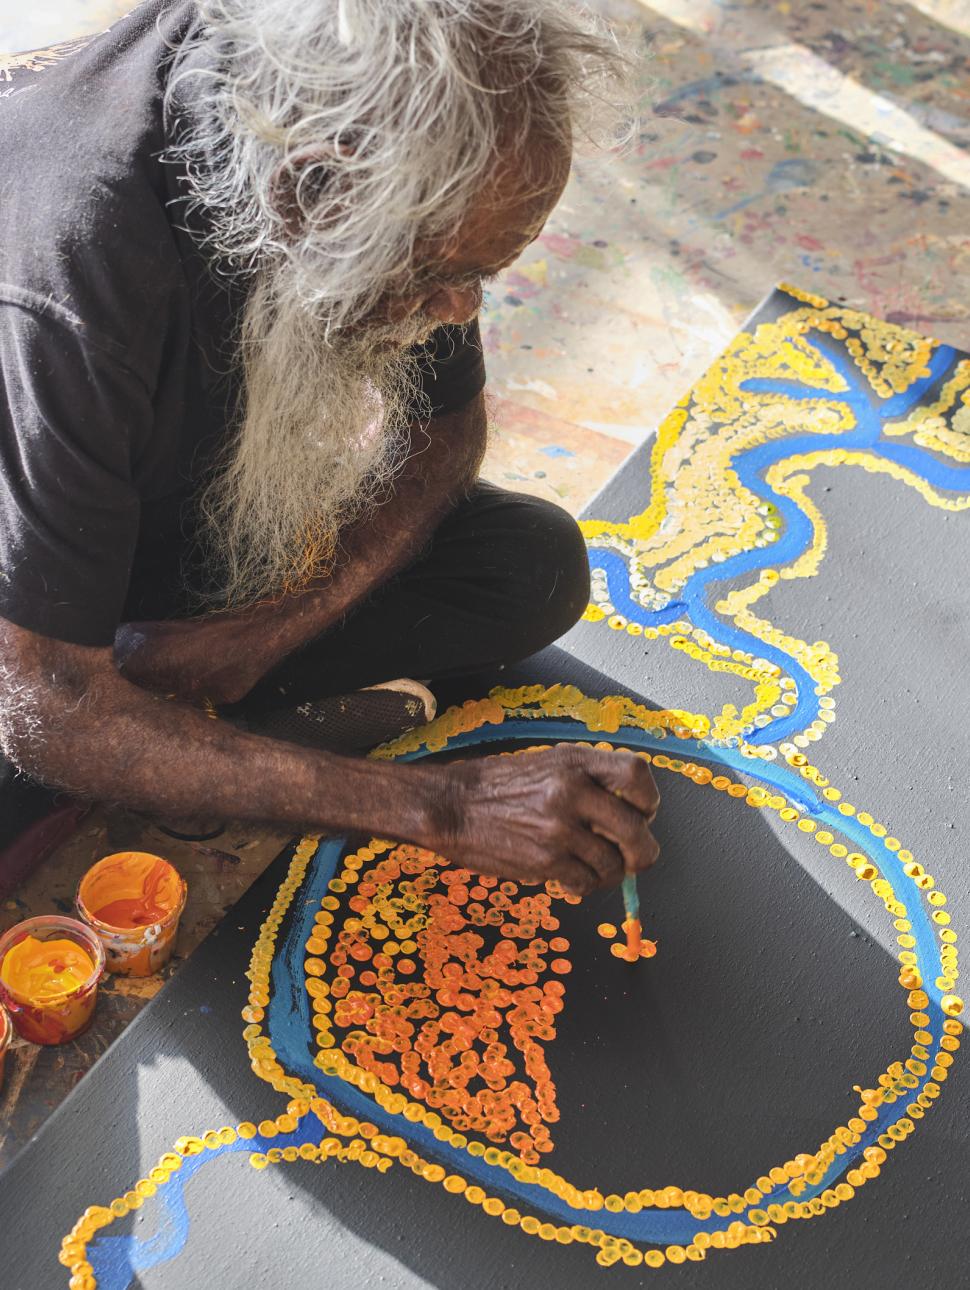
[(504, 575)]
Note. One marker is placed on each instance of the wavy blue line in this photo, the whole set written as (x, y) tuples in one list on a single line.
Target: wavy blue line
[(116, 1260), (290, 1031), (749, 465)]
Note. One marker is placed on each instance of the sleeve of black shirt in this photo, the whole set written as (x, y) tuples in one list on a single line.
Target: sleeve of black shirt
[(452, 368), (68, 509)]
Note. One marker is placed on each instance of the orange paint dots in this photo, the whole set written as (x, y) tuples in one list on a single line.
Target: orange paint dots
[(621, 951), (607, 929), (444, 988)]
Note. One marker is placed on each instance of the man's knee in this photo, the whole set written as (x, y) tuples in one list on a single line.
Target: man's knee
[(551, 582)]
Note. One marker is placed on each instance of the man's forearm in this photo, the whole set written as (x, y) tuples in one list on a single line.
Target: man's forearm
[(221, 657), (578, 815), (167, 759)]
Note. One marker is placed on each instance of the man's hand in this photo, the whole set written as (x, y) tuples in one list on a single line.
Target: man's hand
[(578, 815), (195, 658)]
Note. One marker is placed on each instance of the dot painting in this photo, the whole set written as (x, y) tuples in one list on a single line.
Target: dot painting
[(821, 386), (432, 996), (423, 1036)]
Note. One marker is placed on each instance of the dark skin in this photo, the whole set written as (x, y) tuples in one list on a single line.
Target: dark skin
[(109, 727)]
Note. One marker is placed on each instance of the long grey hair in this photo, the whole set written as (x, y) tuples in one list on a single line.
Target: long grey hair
[(413, 101), (387, 119)]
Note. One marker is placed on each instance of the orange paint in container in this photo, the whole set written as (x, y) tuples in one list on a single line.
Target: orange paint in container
[(133, 901), (49, 973)]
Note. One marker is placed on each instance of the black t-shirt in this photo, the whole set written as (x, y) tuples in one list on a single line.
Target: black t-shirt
[(116, 376)]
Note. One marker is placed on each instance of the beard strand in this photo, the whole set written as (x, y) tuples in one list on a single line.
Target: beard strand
[(323, 431)]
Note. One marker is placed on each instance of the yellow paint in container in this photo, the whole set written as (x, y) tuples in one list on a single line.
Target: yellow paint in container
[(133, 900), (49, 973)]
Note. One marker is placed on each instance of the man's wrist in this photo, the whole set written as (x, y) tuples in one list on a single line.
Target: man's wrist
[(406, 803)]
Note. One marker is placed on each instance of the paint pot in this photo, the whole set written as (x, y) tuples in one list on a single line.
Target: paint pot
[(133, 900), (6, 1034), (49, 973)]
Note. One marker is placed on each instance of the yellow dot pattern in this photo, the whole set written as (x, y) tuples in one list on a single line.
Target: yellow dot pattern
[(700, 513)]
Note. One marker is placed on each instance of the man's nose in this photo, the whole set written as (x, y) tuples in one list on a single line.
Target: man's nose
[(454, 304)]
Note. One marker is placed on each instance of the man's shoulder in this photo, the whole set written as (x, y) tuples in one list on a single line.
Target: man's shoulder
[(90, 103), (83, 216)]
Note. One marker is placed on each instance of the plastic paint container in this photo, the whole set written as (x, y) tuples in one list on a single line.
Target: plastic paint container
[(133, 901), (49, 973), (6, 1034)]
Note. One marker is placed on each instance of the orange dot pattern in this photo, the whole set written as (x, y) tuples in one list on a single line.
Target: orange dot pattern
[(444, 987)]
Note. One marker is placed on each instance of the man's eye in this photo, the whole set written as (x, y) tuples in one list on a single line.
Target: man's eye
[(466, 283), (441, 282)]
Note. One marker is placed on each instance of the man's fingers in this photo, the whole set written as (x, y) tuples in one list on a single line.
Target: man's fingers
[(615, 819), (627, 774), (576, 876), (601, 855)]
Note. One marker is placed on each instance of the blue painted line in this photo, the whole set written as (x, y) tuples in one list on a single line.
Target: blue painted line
[(618, 582), (290, 1029), (117, 1260), (933, 471), (750, 466)]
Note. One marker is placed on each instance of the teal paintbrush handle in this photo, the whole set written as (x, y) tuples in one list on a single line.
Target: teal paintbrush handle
[(631, 899)]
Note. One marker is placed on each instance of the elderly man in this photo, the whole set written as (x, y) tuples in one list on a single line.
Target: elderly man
[(242, 247)]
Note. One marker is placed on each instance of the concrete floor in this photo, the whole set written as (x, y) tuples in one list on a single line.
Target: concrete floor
[(826, 143)]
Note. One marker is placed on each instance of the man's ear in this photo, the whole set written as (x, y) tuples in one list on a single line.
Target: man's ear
[(300, 180)]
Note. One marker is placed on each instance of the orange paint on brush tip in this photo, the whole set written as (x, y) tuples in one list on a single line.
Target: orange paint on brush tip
[(633, 936), (636, 946), (133, 900), (49, 973)]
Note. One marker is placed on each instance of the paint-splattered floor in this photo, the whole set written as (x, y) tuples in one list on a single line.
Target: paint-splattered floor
[(825, 143), (822, 143)]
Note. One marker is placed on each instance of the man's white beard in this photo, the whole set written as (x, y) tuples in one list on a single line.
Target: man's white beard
[(324, 429)]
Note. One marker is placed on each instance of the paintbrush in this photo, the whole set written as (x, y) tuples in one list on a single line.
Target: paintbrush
[(631, 923)]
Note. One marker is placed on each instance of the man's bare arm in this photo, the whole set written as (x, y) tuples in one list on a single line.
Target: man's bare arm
[(222, 656), (69, 718)]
